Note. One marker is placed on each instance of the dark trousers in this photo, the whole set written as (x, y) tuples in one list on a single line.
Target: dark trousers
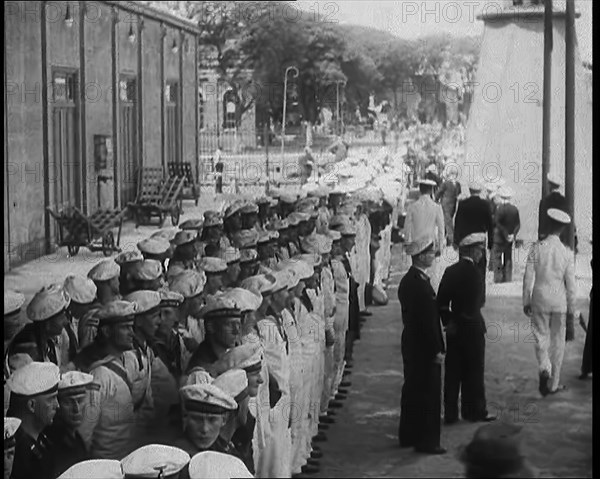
[(369, 286), (464, 373), (586, 363), (481, 268), (219, 185), (501, 262), (420, 406), (353, 319)]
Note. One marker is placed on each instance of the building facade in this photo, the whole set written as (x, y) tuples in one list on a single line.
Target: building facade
[(93, 91)]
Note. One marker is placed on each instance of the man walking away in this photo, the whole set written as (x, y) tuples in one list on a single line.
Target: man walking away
[(549, 300), (448, 194), (507, 225)]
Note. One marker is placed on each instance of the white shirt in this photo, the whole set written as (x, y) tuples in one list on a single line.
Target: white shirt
[(425, 218)]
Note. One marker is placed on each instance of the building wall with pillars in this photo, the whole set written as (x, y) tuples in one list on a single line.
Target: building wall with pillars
[(80, 78)]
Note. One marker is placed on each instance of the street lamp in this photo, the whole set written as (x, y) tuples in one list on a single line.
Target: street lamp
[(337, 89), (296, 73)]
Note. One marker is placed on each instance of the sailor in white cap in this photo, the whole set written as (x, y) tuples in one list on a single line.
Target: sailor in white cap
[(82, 292), (34, 401), (158, 249), (459, 301), (232, 257), (549, 293), (139, 360), (106, 277), (206, 409), (215, 269), (126, 260), (155, 460), (186, 251), (234, 382), (422, 352), (66, 446), (13, 302), (475, 216), (222, 322), (507, 224), (190, 283), (11, 424), (276, 448), (217, 465), (110, 435), (147, 275), (48, 337), (425, 217), (554, 199), (95, 469)]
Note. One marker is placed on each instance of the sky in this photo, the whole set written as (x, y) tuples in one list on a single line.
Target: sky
[(414, 18)]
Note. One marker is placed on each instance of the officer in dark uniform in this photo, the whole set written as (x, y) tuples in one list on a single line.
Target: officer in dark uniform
[(555, 199), (422, 354), (507, 225), (33, 400), (65, 445), (474, 216), (459, 300)]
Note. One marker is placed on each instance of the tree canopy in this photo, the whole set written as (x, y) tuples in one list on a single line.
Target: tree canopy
[(252, 44)]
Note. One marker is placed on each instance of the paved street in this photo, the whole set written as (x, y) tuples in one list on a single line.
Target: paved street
[(557, 431)]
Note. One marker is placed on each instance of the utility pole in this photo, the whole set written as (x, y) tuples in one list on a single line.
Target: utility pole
[(547, 101), (570, 117)]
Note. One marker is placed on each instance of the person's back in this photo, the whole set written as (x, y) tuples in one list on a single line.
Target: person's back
[(472, 216), (549, 275)]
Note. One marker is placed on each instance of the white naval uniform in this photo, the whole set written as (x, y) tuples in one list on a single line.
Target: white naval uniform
[(329, 307), (276, 459), (363, 257), (549, 288), (340, 322)]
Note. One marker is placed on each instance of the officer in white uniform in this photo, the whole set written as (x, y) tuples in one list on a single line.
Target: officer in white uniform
[(549, 295)]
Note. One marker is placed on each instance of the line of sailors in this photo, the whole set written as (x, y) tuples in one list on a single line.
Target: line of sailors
[(232, 335)]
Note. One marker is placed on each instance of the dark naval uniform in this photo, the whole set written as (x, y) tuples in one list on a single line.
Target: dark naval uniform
[(242, 440), (474, 216), (422, 340), (203, 356), (65, 447), (460, 299), (507, 222), (31, 457)]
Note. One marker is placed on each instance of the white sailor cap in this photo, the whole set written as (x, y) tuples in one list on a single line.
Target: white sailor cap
[(147, 270), (198, 376), (170, 298), (166, 233), (472, 239), (212, 265), (189, 283), (260, 284), (95, 469), (312, 259), (148, 461), (104, 271), (247, 356), (184, 237), (147, 300), (48, 302), (74, 383), (13, 301), (154, 246), (244, 299), (231, 255), (217, 465), (505, 192), (431, 167), (117, 311), (248, 255), (475, 186), (207, 398), (559, 216), (80, 289), (34, 379), (11, 424), (127, 257), (234, 382), (220, 306), (419, 245)]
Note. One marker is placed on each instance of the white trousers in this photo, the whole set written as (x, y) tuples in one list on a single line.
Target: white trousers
[(549, 331)]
